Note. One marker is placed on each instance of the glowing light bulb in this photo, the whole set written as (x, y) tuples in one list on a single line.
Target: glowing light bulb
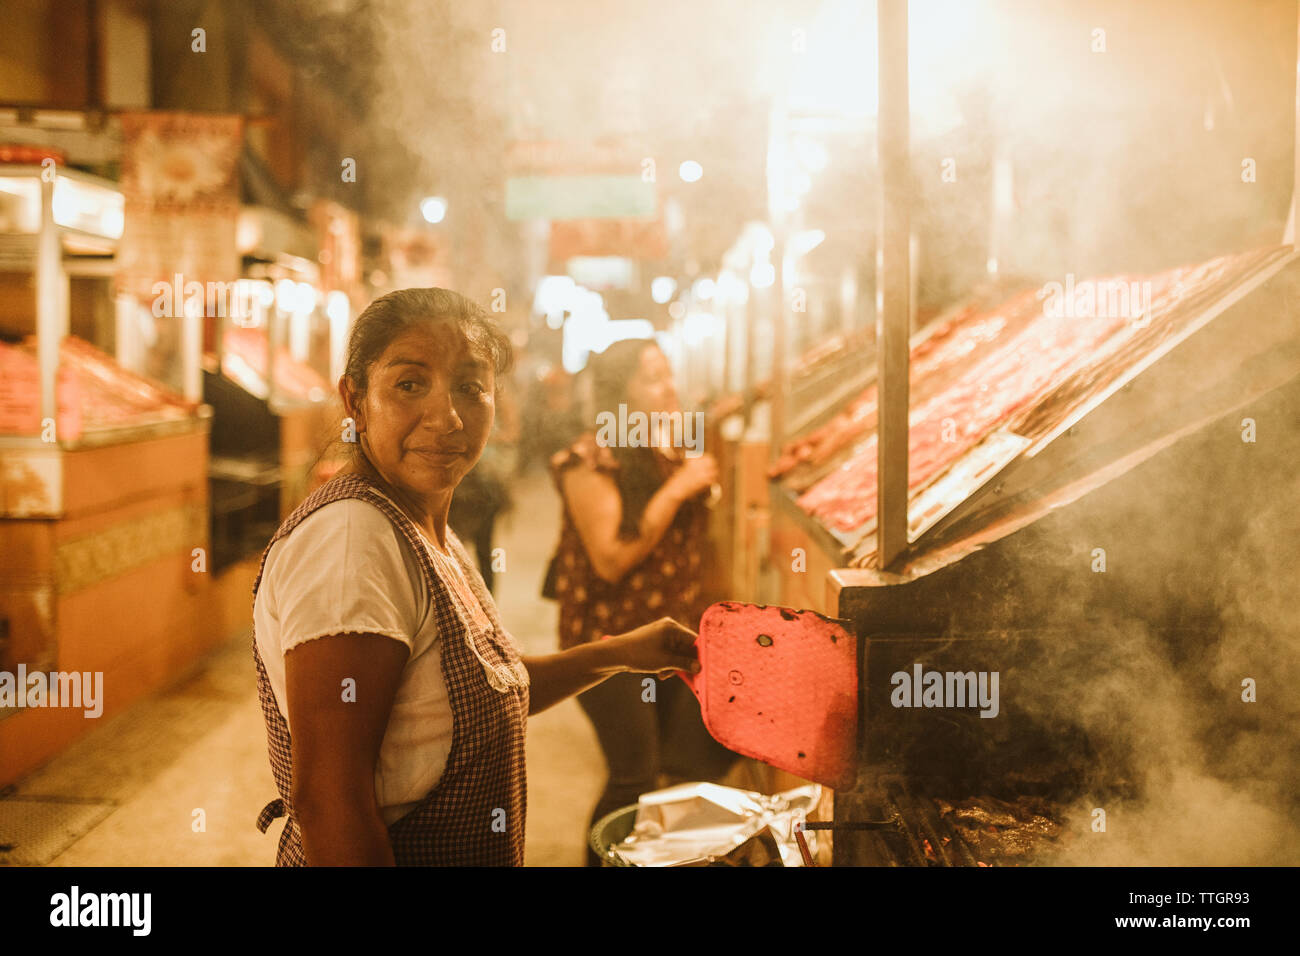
[(433, 209)]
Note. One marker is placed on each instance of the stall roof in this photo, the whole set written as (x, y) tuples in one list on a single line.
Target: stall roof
[(992, 385)]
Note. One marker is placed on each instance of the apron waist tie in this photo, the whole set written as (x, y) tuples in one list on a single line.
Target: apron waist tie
[(272, 811)]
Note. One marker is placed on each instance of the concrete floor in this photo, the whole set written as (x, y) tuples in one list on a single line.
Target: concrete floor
[(201, 744)]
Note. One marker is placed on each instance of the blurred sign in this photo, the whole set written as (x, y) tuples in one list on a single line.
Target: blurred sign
[(579, 197), (180, 184), (602, 273), (578, 180)]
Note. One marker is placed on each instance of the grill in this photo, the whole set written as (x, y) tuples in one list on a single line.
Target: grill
[(912, 827), (1097, 559)]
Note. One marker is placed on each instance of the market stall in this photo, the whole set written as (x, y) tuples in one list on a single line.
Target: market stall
[(268, 381), (103, 492), (1072, 456)]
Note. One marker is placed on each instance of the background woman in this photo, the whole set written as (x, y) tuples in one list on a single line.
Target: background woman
[(394, 699), (632, 548)]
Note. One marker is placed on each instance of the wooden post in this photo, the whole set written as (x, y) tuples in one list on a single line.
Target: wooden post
[(892, 323)]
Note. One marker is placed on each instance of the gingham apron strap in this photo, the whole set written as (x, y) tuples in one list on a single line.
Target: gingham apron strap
[(272, 811), (474, 580)]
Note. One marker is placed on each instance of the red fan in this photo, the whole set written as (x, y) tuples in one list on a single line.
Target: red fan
[(781, 686)]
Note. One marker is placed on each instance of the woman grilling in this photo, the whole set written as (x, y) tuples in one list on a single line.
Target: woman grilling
[(394, 700), (633, 546)]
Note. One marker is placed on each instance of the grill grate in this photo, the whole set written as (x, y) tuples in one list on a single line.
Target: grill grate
[(930, 831), (34, 830)]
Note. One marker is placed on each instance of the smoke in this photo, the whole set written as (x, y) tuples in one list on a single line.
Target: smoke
[(1178, 784), (1194, 611)]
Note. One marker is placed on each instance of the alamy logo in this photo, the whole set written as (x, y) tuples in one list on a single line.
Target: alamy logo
[(55, 689), (946, 689), (102, 909), (637, 429), (1090, 299), (239, 299)]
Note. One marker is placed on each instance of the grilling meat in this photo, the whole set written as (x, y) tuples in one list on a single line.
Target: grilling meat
[(1001, 831)]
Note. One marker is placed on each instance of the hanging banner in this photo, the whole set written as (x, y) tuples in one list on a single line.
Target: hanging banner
[(180, 183)]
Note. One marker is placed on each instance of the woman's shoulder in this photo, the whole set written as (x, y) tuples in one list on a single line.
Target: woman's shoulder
[(358, 514), (584, 452), (349, 532)]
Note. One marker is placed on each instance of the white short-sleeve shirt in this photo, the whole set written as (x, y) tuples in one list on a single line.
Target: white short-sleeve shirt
[(346, 569)]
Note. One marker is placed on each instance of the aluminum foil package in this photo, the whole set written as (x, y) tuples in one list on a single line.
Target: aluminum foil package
[(703, 824)]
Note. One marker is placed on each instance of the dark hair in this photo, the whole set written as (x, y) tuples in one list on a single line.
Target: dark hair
[(390, 315), (639, 475)]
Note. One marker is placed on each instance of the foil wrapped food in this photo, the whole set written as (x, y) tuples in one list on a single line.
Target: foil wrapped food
[(704, 824)]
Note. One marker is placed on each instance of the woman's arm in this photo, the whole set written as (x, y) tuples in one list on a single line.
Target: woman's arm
[(337, 729), (661, 647), (593, 500)]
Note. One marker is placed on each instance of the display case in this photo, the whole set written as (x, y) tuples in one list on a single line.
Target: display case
[(103, 490)]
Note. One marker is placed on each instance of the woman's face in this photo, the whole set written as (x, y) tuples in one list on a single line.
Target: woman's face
[(651, 388), (428, 410)]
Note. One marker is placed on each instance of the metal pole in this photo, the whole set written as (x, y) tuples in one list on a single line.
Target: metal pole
[(779, 339), (51, 319), (892, 323), (1293, 226)]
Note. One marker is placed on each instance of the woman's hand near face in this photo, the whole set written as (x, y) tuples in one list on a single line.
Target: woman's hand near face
[(695, 475), (336, 738)]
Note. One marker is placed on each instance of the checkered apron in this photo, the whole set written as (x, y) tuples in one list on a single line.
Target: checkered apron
[(474, 816)]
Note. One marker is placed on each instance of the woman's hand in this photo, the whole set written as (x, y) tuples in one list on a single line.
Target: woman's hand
[(660, 647), (694, 476)]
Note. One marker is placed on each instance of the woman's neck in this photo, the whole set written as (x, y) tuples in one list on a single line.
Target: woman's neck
[(427, 512)]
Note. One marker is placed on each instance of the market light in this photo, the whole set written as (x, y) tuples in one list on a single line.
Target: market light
[(699, 326), (336, 307), (305, 299), (812, 154), (286, 295), (433, 209), (553, 297), (65, 207), (690, 171), (704, 289), (662, 288), (88, 207), (113, 221), (731, 289), (762, 275)]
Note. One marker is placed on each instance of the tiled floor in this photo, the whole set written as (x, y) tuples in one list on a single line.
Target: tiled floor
[(196, 753)]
